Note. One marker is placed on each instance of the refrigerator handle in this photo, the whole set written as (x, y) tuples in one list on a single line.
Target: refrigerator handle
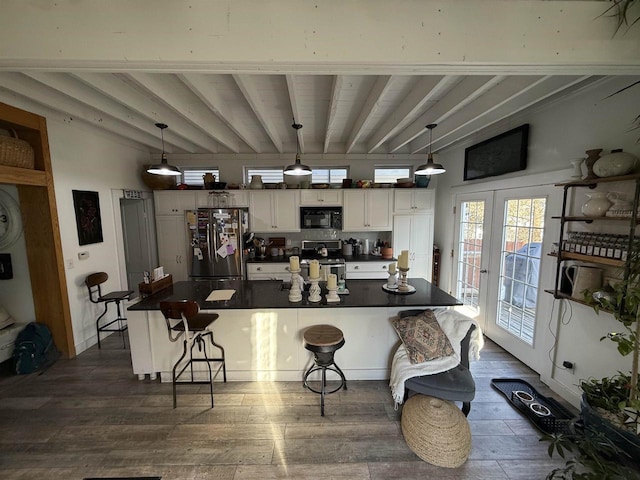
[(213, 247)]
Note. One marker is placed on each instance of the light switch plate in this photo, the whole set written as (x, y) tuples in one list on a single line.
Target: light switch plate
[(6, 270)]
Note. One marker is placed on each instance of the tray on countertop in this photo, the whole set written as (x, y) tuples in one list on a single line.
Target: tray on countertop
[(559, 419)]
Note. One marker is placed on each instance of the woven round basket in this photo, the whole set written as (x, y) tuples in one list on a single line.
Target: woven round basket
[(15, 152), (436, 431)]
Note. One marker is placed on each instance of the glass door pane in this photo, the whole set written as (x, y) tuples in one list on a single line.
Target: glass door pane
[(522, 236), (470, 239)]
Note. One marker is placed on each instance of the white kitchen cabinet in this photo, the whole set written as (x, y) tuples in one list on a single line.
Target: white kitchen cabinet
[(274, 211), (174, 202), (415, 234), (268, 271), (321, 197), (172, 245), (367, 270), (413, 200), (235, 198), (367, 209)]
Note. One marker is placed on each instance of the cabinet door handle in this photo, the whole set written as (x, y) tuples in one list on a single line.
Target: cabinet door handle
[(286, 268), (484, 270), (384, 267), (356, 267), (259, 269)]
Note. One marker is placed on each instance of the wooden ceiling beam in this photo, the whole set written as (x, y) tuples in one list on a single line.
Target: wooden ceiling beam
[(372, 103)]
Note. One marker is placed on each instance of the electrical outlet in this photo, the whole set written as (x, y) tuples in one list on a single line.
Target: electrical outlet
[(70, 263)]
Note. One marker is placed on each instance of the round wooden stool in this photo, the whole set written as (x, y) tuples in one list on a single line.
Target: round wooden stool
[(323, 341)]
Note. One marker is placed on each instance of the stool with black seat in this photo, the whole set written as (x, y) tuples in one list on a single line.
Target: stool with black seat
[(323, 341), (456, 384), (185, 321), (93, 283)]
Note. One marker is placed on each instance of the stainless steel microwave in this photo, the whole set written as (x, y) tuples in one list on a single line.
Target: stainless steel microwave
[(321, 217)]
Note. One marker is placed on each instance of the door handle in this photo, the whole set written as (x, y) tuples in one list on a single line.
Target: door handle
[(484, 270)]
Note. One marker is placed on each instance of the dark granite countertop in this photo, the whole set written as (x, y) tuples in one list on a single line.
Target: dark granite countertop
[(270, 294), (348, 258)]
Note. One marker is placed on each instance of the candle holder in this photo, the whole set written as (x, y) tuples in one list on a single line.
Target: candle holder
[(332, 295), (314, 290), (403, 287), (392, 281), (295, 294)]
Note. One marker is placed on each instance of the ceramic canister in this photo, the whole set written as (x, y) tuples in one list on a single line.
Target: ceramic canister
[(597, 205)]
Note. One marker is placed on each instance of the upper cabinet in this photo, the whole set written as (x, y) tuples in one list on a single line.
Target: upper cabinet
[(174, 202), (274, 210), (413, 200), (222, 199), (367, 209), (321, 197)]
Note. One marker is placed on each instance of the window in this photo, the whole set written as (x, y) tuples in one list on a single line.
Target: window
[(328, 175), (390, 174), (193, 175), (268, 174)]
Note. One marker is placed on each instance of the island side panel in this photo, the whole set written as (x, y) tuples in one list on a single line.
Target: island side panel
[(369, 340)]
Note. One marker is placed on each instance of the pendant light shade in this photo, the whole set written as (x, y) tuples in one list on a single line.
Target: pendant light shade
[(163, 168), (430, 168), (297, 168)]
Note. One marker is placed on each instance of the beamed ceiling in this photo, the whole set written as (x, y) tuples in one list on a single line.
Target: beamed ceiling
[(249, 113)]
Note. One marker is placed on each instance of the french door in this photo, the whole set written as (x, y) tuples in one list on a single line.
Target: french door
[(499, 271)]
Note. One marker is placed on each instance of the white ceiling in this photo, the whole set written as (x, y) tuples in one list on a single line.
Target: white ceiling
[(249, 113)]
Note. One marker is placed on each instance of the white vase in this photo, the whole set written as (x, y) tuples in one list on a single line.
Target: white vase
[(597, 205), (615, 163), (577, 168)]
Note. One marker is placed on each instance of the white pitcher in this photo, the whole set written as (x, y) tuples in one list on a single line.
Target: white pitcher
[(583, 278)]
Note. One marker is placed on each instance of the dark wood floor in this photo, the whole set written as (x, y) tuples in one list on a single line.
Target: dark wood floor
[(91, 417)]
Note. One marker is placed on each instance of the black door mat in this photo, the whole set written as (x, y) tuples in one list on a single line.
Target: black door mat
[(544, 412)]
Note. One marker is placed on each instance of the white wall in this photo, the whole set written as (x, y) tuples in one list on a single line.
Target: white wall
[(83, 160), (558, 133)]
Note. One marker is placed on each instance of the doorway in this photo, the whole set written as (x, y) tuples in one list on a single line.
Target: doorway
[(498, 266), (139, 250)]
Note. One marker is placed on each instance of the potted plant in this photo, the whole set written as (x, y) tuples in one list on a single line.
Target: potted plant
[(612, 404)]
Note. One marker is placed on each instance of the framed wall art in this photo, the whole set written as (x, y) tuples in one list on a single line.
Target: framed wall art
[(502, 154), (88, 222)]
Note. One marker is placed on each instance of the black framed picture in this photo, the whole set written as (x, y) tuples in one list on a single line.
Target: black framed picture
[(88, 222), (502, 154)]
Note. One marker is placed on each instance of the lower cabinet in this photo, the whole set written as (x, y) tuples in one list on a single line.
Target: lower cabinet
[(268, 271), (367, 270), (415, 234), (172, 246)]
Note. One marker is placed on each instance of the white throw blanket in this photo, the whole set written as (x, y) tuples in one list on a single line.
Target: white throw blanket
[(455, 326)]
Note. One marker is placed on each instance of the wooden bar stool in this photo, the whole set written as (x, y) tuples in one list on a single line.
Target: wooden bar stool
[(93, 283), (184, 320), (323, 341)]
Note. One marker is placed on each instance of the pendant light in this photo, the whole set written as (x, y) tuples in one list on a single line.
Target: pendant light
[(163, 168), (430, 168), (297, 168)]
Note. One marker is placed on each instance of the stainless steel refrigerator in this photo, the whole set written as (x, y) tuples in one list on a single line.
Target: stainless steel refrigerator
[(216, 242)]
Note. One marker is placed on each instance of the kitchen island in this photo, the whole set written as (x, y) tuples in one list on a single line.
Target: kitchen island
[(262, 331)]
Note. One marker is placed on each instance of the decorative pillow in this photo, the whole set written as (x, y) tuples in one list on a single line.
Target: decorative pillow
[(422, 337)]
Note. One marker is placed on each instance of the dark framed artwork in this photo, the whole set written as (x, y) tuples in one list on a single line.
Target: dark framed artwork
[(88, 222), (502, 154)]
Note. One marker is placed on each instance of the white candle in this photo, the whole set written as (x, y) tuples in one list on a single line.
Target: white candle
[(332, 281), (392, 268), (314, 269), (294, 263), (403, 259)]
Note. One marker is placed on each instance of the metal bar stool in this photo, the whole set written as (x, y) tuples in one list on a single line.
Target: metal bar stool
[(93, 283), (323, 341), (184, 320)]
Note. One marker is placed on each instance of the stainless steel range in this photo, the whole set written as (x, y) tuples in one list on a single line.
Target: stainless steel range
[(329, 255)]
